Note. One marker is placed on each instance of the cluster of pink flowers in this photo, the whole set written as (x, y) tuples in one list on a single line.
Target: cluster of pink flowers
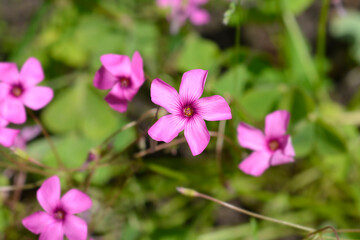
[(17, 90)]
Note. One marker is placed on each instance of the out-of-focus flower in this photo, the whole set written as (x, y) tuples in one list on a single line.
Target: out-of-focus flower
[(273, 148), (19, 88), (26, 134), (58, 218), (7, 135), (187, 110), (185, 9), (123, 76)]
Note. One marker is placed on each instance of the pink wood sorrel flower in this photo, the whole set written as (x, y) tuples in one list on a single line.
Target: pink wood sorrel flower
[(58, 218), (7, 135), (19, 88), (187, 110), (123, 76), (184, 9), (273, 148)]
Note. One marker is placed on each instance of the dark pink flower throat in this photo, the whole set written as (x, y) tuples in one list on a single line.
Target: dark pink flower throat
[(125, 82), (274, 145), (188, 111), (17, 90), (59, 214)]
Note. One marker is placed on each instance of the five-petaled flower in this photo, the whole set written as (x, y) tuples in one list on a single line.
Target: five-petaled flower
[(7, 135), (273, 148), (184, 9), (19, 88), (123, 76), (58, 218), (187, 110)]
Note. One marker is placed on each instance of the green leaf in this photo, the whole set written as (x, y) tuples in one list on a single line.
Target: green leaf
[(304, 138), (167, 172), (328, 140)]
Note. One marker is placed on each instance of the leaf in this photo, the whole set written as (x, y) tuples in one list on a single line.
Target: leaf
[(328, 140), (167, 172), (304, 138)]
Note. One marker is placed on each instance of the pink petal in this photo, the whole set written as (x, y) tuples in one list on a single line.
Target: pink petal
[(163, 3), (75, 201), (213, 108), (196, 134), (117, 65), (167, 128), (38, 222), (192, 85), (48, 194), (4, 90), (13, 111), (37, 97), (116, 103), (123, 93), (75, 228), (9, 72), (276, 123), (255, 164), (3, 122), (7, 136), (31, 72), (279, 158), (289, 149), (198, 2), (165, 95), (199, 17), (251, 138), (53, 232), (104, 79), (137, 76)]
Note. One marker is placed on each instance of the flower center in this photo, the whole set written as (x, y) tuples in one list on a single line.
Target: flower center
[(16, 90), (59, 214), (274, 145), (188, 111), (124, 82)]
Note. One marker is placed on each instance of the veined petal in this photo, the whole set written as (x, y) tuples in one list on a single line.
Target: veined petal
[(165, 95), (213, 108), (279, 158), (13, 111), (9, 72), (192, 85), (37, 97), (31, 72), (117, 65), (104, 79), (251, 138), (137, 70), (167, 128), (256, 163), (38, 222), (276, 123), (7, 136), (199, 16), (75, 228), (53, 232), (196, 134), (48, 194), (75, 201)]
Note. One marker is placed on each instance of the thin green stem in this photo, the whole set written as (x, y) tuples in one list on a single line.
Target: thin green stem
[(321, 36)]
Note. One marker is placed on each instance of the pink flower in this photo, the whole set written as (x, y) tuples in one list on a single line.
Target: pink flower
[(58, 218), (123, 76), (26, 134), (187, 110), (184, 9), (7, 135), (19, 89), (273, 148)]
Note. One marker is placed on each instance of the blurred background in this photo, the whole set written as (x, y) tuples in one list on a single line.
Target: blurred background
[(262, 55)]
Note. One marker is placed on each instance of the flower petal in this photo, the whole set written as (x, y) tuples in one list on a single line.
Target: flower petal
[(75, 228), (276, 123), (199, 16), (7, 136), (53, 232), (165, 95), (123, 93), (37, 97), (137, 70), (117, 65), (167, 128), (3, 122), (192, 85), (104, 79), (213, 108), (196, 134), (75, 201), (38, 222), (13, 111), (289, 149), (4, 90), (9, 72), (31, 72), (279, 158), (255, 164), (251, 138), (48, 194), (116, 103)]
